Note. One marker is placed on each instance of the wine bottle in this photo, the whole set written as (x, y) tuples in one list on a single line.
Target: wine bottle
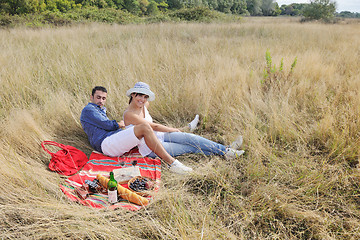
[(112, 189)]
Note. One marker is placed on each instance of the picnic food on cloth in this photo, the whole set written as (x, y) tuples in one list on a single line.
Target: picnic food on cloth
[(100, 164), (67, 161), (124, 192), (141, 185), (123, 175), (112, 187)]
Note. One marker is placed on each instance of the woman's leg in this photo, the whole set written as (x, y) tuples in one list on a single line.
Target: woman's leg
[(146, 132), (177, 143)]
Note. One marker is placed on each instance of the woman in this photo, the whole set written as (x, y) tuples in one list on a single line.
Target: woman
[(173, 140)]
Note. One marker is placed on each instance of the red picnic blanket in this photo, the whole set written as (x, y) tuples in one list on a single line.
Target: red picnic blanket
[(101, 164)]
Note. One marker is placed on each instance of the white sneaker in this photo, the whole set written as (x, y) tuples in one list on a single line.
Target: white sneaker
[(237, 143), (232, 153), (178, 167), (193, 124)]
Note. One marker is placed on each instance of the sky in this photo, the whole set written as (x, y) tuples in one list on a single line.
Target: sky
[(342, 5)]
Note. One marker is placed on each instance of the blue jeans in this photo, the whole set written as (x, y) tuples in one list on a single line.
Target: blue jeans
[(178, 143)]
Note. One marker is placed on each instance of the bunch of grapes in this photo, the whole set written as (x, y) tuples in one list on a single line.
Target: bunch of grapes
[(139, 185)]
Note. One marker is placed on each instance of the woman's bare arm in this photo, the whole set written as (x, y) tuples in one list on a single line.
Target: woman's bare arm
[(132, 118)]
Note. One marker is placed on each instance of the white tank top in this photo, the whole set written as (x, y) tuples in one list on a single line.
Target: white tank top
[(144, 150)]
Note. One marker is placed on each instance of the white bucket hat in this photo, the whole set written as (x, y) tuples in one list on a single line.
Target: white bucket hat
[(141, 87)]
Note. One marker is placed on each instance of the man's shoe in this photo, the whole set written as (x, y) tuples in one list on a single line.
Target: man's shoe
[(237, 143), (232, 153), (178, 167)]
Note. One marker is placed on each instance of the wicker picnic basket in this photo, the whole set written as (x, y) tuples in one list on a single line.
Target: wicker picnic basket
[(150, 185)]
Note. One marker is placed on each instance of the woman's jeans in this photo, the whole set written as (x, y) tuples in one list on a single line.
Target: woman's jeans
[(178, 143)]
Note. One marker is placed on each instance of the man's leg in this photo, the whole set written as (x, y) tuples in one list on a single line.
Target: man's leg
[(176, 143), (176, 149), (119, 143), (194, 143), (145, 131)]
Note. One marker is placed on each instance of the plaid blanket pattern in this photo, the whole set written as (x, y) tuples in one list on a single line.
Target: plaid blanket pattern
[(101, 164)]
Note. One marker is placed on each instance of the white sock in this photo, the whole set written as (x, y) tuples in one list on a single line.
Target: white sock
[(193, 124), (237, 143)]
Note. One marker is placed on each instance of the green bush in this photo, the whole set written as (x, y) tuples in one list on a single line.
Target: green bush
[(29, 20), (195, 14), (320, 9), (5, 20), (274, 77), (55, 18), (108, 15), (158, 18), (90, 14), (152, 9)]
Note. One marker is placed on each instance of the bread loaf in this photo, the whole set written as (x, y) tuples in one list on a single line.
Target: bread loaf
[(103, 180), (124, 192)]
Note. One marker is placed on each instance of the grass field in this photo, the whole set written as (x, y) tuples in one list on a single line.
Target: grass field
[(299, 178)]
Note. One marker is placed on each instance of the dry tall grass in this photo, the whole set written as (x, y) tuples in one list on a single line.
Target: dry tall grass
[(298, 178)]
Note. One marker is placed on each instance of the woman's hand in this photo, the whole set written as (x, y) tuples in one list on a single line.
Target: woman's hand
[(121, 124), (174, 129), (162, 128)]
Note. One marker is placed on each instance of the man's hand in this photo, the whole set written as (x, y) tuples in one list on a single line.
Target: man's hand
[(121, 124)]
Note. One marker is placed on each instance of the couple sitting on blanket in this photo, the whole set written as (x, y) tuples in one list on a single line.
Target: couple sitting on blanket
[(108, 136)]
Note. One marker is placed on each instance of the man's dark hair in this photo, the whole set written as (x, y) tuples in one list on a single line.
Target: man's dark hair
[(98, 88)]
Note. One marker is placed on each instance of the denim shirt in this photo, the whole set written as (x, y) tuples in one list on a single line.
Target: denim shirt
[(97, 125)]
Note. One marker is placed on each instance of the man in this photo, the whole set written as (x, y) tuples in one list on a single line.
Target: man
[(108, 137)]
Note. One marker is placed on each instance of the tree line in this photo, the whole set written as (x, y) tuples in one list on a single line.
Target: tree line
[(142, 7), (316, 9)]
